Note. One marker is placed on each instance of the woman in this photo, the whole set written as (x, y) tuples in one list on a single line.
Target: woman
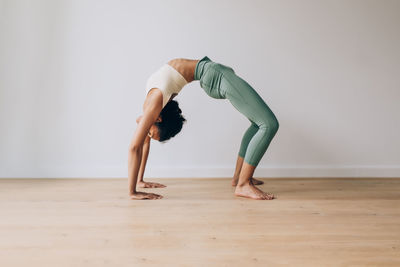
[(162, 120)]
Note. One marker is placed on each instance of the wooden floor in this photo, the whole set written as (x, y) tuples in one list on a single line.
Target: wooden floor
[(199, 222)]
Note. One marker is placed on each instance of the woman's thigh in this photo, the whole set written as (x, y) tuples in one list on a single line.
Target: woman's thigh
[(245, 99)]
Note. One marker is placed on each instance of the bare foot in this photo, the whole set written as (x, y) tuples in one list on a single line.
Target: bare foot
[(254, 180), (144, 195), (143, 184), (251, 191)]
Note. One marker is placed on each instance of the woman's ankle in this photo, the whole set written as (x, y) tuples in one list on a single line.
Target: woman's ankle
[(243, 183)]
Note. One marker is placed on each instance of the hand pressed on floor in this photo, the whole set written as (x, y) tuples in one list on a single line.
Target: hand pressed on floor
[(144, 195)]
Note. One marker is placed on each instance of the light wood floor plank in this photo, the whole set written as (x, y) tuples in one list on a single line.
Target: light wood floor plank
[(199, 222)]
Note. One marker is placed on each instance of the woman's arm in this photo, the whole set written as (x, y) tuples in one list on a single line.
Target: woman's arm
[(150, 115), (145, 154)]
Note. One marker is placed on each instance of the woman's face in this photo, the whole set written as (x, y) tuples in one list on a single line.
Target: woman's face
[(154, 133)]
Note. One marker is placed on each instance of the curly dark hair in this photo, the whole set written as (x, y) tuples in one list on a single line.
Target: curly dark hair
[(171, 121)]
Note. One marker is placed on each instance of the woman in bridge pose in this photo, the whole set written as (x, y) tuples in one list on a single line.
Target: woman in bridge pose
[(162, 120)]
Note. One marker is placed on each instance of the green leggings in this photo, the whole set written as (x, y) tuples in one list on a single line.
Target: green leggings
[(221, 82)]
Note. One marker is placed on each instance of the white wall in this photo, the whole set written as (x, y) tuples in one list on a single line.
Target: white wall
[(72, 76)]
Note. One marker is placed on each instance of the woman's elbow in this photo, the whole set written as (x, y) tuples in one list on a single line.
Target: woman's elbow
[(134, 148)]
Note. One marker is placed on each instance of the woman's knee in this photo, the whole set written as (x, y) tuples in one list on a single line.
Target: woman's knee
[(270, 123), (276, 125)]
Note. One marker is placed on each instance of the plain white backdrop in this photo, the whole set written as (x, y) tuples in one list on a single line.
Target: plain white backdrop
[(73, 73)]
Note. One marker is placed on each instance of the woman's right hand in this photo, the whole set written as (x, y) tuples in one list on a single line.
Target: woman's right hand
[(144, 195)]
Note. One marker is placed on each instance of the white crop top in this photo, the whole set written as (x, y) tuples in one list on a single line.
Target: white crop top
[(168, 80)]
